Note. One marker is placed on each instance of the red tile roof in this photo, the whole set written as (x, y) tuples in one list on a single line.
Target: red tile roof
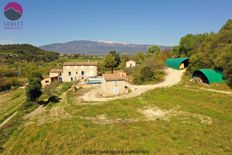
[(56, 71), (115, 77), (80, 64)]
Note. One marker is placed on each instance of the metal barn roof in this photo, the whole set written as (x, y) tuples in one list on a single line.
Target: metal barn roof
[(175, 62), (212, 75)]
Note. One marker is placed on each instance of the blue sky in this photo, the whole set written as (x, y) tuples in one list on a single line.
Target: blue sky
[(161, 22)]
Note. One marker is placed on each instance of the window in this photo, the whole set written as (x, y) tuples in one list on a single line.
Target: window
[(82, 73), (115, 83), (69, 73), (76, 72), (46, 81), (71, 79)]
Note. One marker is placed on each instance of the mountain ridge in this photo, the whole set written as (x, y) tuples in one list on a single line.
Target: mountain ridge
[(96, 47)]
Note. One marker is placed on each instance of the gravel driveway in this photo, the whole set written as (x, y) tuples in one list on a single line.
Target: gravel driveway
[(172, 78)]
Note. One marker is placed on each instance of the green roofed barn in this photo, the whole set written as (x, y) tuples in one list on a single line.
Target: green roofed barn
[(208, 76), (177, 63)]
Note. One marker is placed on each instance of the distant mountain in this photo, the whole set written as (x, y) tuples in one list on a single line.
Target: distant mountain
[(96, 47)]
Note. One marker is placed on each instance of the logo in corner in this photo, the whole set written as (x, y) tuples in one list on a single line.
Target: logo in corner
[(13, 11)]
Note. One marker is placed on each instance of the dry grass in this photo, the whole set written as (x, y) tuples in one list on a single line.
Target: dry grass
[(43, 115), (182, 125), (155, 113), (103, 120), (9, 102)]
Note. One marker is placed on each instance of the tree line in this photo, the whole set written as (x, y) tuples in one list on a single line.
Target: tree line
[(208, 50)]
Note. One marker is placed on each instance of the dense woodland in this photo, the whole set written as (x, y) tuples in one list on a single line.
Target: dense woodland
[(209, 50)]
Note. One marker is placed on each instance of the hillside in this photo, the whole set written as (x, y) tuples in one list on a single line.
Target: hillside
[(24, 53), (191, 121), (96, 47), (209, 50), (18, 61)]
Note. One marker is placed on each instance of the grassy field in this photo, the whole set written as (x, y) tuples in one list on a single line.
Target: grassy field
[(9, 102), (70, 128)]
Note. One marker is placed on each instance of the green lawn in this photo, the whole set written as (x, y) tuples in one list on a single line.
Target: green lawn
[(72, 135)]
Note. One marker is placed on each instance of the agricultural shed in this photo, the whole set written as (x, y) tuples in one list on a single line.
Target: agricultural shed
[(209, 75), (177, 63)]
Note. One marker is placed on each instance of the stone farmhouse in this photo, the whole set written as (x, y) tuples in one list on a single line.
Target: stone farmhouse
[(73, 71), (113, 84)]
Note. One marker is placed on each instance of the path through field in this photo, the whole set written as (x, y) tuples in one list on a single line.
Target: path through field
[(217, 91), (172, 78), (210, 90), (8, 119)]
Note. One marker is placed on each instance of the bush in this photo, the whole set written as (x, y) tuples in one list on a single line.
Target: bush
[(142, 74), (4, 85), (146, 73), (8, 83), (33, 90), (148, 70), (66, 86)]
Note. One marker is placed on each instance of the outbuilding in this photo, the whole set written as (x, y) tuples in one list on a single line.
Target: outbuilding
[(113, 84), (46, 81), (130, 63), (177, 63), (208, 76), (55, 75)]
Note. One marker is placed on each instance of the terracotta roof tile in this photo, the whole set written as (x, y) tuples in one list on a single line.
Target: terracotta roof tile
[(115, 77), (56, 71), (80, 64)]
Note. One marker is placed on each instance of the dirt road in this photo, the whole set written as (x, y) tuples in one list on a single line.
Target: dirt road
[(172, 78)]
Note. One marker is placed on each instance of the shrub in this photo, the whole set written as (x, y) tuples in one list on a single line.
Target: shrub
[(142, 74), (33, 90), (146, 73)]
